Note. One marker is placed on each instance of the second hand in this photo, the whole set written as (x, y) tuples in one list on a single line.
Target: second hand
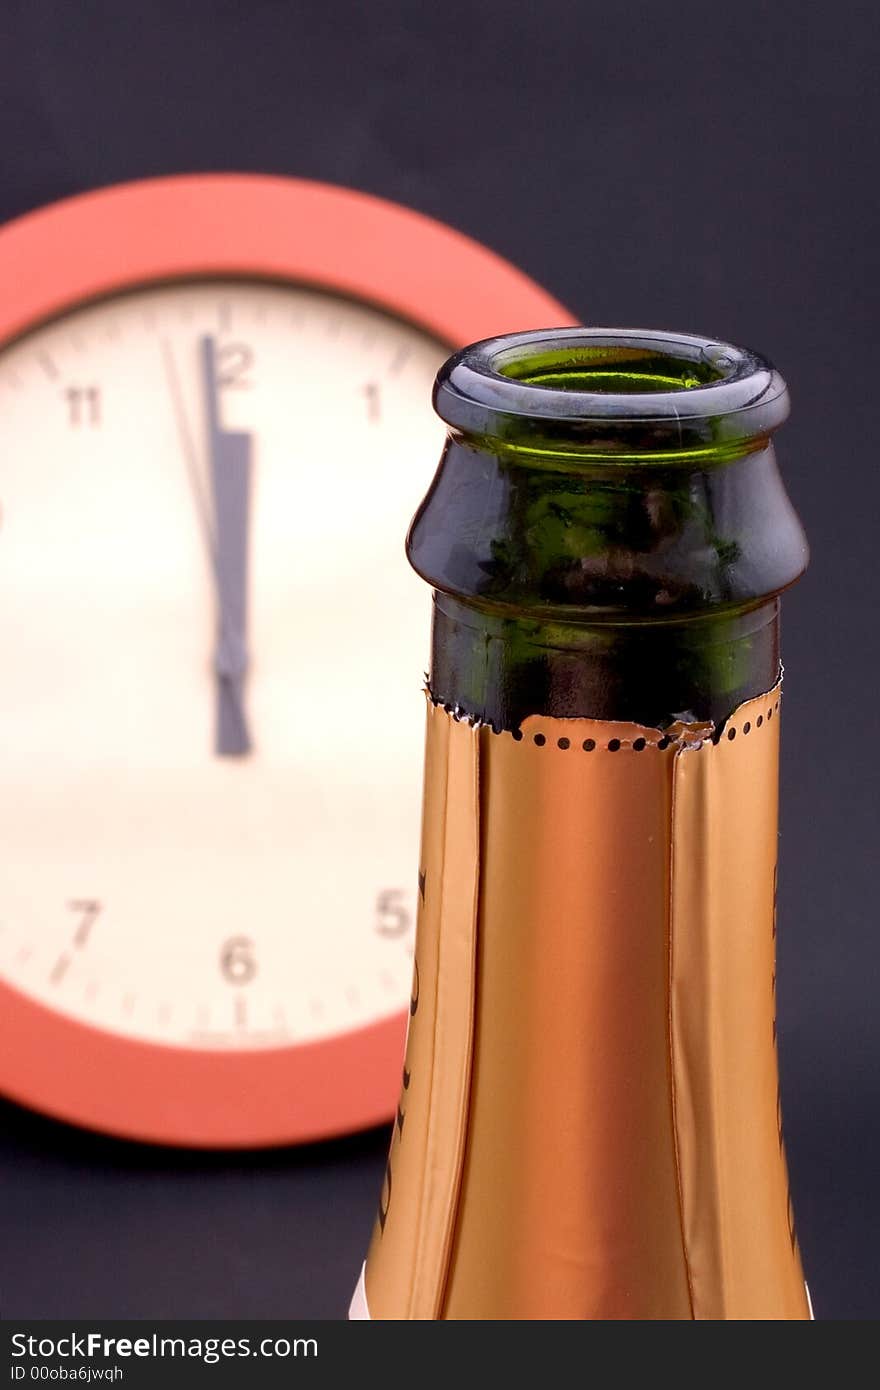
[(225, 527)]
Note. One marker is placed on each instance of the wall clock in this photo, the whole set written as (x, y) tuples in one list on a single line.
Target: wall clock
[(215, 425)]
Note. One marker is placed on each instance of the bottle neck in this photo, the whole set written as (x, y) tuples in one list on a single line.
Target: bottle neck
[(623, 590), (589, 1121), (501, 669)]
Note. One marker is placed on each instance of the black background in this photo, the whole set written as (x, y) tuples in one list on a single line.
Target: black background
[(699, 167)]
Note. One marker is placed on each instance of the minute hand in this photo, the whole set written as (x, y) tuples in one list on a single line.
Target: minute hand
[(229, 458)]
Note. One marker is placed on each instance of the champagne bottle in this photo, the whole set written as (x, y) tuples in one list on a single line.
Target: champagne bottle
[(589, 1121)]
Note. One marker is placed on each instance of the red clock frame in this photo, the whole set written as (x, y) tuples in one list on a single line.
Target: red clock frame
[(255, 226)]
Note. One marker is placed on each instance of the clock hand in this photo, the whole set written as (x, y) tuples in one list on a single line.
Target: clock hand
[(230, 655), (190, 453), (229, 461)]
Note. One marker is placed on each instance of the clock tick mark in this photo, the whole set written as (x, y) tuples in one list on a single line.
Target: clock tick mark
[(24, 954), (128, 1004), (353, 997), (316, 1008), (48, 366), (374, 401), (399, 360), (164, 1013), (91, 990), (240, 1011), (224, 315), (60, 968)]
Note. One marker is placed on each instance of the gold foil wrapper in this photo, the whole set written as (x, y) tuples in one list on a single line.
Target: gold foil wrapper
[(589, 1117)]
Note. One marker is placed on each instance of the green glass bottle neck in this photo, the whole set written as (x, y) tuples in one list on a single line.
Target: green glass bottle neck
[(502, 669), (623, 544), (607, 534)]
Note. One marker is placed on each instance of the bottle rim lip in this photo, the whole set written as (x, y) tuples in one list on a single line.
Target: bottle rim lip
[(479, 391)]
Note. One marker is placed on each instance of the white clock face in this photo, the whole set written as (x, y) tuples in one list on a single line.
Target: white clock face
[(212, 655)]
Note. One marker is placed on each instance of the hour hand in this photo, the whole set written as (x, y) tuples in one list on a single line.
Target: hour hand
[(229, 457)]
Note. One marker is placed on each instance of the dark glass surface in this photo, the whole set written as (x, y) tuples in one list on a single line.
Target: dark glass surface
[(607, 533)]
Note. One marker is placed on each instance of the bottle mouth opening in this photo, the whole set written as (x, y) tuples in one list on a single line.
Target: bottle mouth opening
[(610, 391), (610, 370)]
